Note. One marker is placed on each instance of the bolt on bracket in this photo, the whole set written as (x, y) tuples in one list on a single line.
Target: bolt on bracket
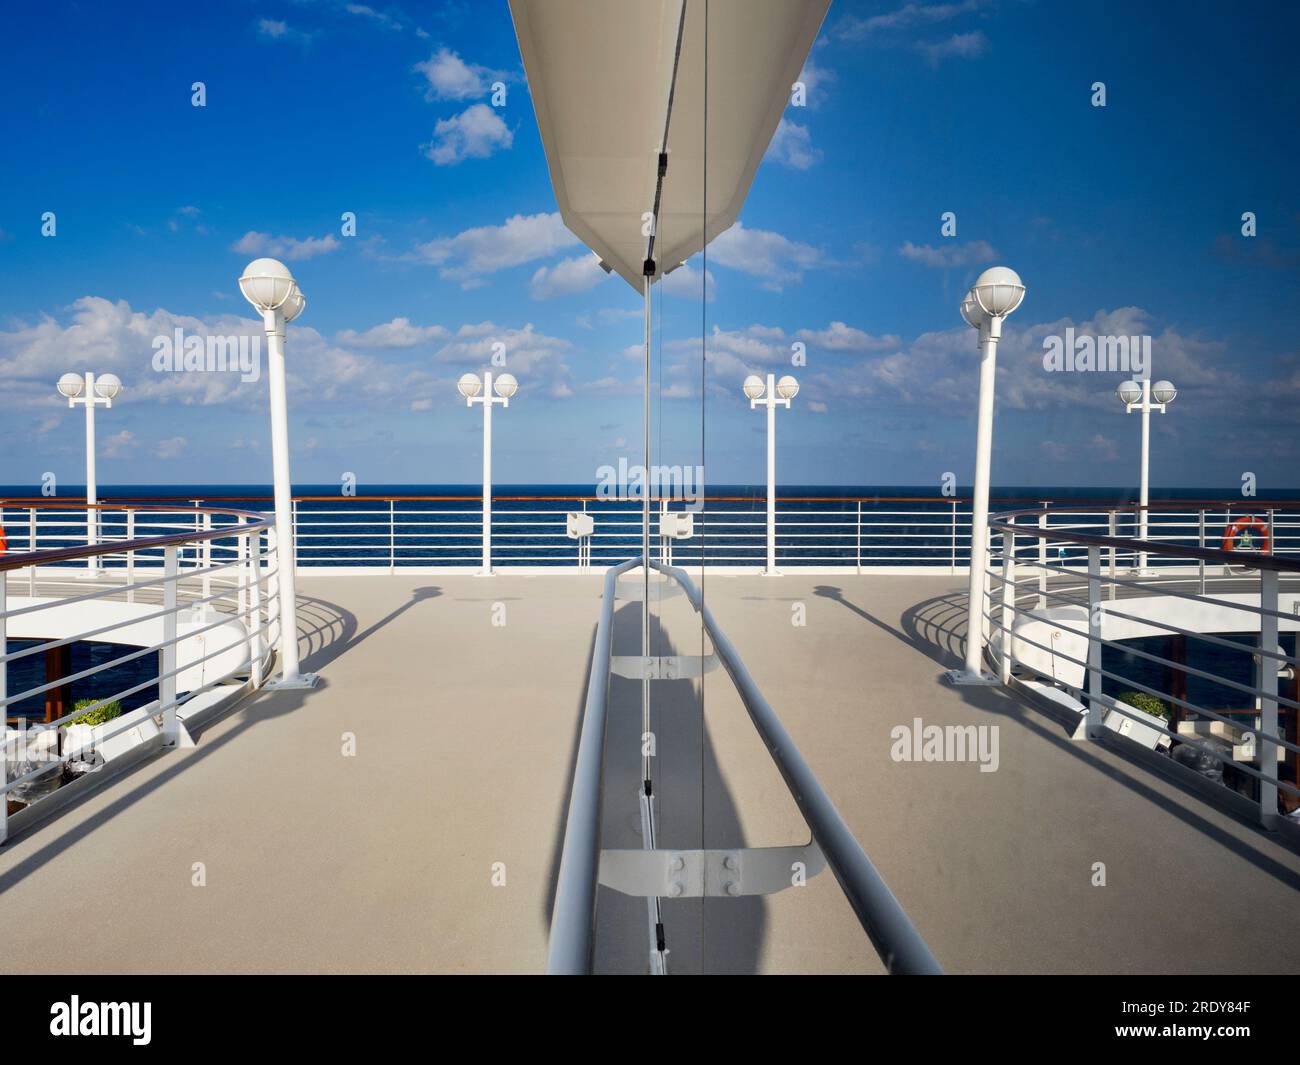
[(676, 874), (667, 667)]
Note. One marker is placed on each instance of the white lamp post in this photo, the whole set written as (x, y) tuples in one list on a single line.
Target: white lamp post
[(476, 391), (1137, 395), (771, 395), (90, 392), (996, 293), (271, 289)]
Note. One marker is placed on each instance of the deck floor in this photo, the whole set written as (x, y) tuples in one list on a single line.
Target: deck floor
[(464, 696)]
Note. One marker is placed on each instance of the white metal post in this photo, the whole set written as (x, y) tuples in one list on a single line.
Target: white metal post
[(31, 546), (286, 554), (1268, 668), (1008, 602), (859, 540), (1112, 532), (1144, 485), (1042, 561), (487, 399), (1094, 643), (1200, 542), (92, 488), (167, 668), (487, 473), (253, 576), (990, 332), (771, 400), (771, 474), (130, 556)]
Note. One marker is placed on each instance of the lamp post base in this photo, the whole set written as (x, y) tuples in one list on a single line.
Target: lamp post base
[(302, 680), (964, 678), (484, 573), (773, 573)]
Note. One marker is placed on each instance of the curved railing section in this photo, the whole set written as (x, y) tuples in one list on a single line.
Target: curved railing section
[(756, 871), (726, 533), (118, 643), (1172, 642)]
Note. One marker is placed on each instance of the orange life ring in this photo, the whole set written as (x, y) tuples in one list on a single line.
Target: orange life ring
[(4, 541), (1245, 525)]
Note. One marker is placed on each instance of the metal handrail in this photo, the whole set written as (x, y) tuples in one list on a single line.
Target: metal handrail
[(573, 919), (1006, 523), (1011, 597), (19, 560), (573, 916), (881, 915)]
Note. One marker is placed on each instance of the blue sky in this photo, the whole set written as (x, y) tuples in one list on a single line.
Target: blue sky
[(1121, 220)]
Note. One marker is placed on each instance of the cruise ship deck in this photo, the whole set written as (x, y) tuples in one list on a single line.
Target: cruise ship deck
[(436, 845)]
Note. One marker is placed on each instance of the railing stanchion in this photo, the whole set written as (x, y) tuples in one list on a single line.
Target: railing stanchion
[(31, 546), (1094, 642), (1042, 561), (130, 556), (1008, 602), (1114, 557), (167, 670), (205, 557), (1266, 747), (953, 540), (1200, 542), (392, 536), (859, 547), (255, 602)]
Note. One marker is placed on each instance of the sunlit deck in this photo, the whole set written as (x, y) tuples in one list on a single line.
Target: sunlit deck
[(465, 732)]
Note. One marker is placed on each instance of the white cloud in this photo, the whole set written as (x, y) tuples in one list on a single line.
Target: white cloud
[(815, 79), (944, 256), (291, 248), (840, 337), (913, 13), (279, 30), (118, 445), (792, 146), (450, 78), (535, 358), (380, 18), (470, 254), (171, 448), (775, 259), (962, 45), (684, 282), (567, 277), (475, 133), (399, 333)]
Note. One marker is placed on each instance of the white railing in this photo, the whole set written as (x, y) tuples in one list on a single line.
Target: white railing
[(1136, 637), (112, 649), (901, 534)]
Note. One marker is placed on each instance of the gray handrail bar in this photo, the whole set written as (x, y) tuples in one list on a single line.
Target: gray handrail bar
[(1006, 523), (22, 559), (573, 916), (882, 917)]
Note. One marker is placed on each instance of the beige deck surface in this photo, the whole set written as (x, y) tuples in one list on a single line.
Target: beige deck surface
[(465, 733)]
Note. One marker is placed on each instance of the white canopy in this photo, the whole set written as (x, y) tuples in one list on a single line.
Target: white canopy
[(601, 73)]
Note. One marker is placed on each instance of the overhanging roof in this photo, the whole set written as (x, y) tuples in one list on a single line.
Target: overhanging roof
[(600, 73)]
